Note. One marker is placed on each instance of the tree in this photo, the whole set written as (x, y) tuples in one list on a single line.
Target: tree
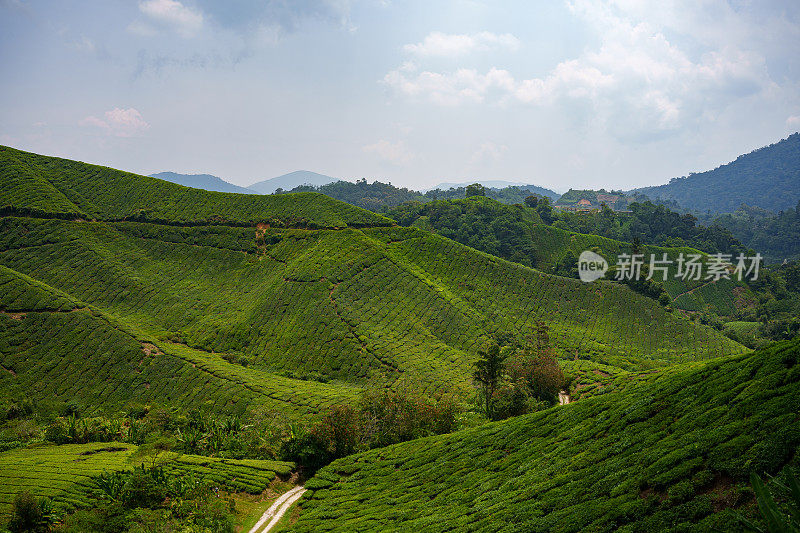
[(545, 211), (488, 373), (538, 371), (532, 201), (476, 189)]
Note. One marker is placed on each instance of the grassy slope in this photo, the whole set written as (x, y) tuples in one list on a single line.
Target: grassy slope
[(65, 473), (662, 454), (31, 183), (365, 306), (548, 245), (361, 306), (721, 297), (56, 348)]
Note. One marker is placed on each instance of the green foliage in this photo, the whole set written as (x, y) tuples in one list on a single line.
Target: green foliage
[(476, 189), (29, 514), (36, 185), (767, 178), (375, 196), (162, 308), (517, 234), (655, 225), (489, 369), (777, 518), (776, 237), (381, 418), (616, 461), (75, 475), (513, 194)]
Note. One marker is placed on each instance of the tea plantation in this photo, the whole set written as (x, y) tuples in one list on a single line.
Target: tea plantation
[(248, 314), (122, 294), (67, 474), (673, 454), (359, 306), (54, 187)]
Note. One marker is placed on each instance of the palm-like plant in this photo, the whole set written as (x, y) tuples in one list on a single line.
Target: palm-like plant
[(776, 520)]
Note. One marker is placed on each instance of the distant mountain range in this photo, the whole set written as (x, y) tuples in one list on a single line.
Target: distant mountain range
[(768, 178), (291, 180), (201, 181)]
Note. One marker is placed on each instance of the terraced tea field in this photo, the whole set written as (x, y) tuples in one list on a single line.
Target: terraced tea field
[(362, 306), (669, 453), (66, 473), (55, 187), (185, 313)]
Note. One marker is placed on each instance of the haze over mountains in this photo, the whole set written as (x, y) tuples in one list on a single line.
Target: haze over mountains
[(290, 181), (201, 181), (768, 178)]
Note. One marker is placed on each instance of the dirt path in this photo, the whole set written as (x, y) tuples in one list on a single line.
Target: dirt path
[(277, 510), (690, 291)]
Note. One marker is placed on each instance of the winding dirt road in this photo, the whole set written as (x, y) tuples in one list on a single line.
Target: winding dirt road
[(277, 510)]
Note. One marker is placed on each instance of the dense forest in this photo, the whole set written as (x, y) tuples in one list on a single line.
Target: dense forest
[(379, 197), (777, 237), (502, 230), (652, 224), (375, 196), (513, 194), (768, 178)]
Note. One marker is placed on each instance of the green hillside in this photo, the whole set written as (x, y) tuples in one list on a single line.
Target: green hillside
[(54, 187), (768, 178), (68, 474), (317, 301), (517, 233), (670, 453), (245, 318)]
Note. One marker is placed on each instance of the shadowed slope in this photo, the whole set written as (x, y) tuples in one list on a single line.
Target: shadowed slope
[(655, 456)]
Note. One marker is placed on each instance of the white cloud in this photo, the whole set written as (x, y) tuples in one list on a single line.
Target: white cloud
[(437, 44), (793, 121), (84, 45), (394, 153), (167, 14), (636, 82), (118, 122), (488, 152), (453, 88)]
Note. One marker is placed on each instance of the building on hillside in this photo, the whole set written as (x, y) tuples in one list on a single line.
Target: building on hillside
[(609, 199)]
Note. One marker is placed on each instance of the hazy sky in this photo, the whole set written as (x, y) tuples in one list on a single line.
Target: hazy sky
[(583, 93)]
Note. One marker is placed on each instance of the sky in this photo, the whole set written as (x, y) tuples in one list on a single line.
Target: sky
[(576, 94)]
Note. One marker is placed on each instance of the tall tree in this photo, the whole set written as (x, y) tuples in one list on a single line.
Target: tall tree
[(488, 373)]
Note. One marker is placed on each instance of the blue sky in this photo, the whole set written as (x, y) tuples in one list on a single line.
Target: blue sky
[(584, 93)]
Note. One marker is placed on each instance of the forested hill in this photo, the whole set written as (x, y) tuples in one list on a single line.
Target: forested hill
[(379, 197), (375, 196), (768, 178), (32, 184)]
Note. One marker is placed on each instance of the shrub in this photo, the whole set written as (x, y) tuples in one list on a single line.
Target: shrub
[(29, 514)]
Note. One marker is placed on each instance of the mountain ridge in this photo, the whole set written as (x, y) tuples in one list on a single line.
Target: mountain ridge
[(207, 182), (290, 181), (768, 177)]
